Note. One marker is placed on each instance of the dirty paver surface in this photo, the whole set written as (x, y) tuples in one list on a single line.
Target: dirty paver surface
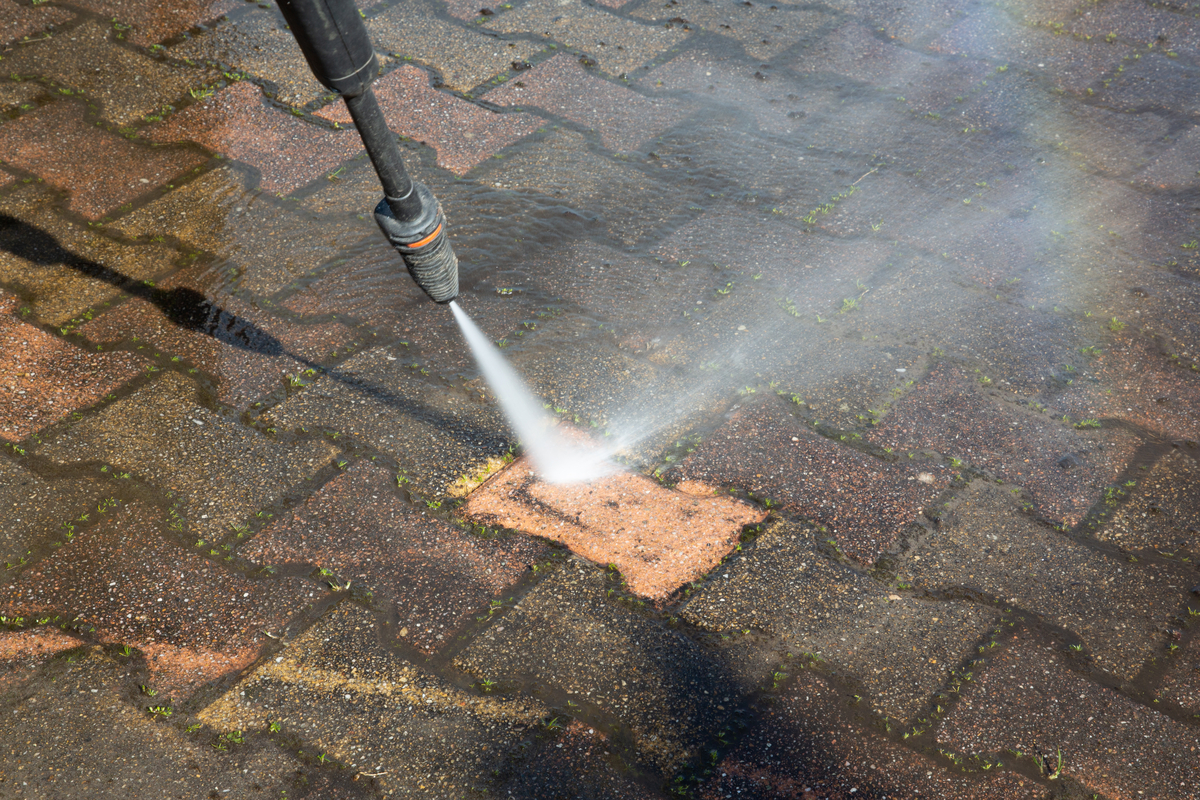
[(889, 315)]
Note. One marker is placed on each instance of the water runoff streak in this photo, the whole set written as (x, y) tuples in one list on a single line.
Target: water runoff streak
[(555, 459)]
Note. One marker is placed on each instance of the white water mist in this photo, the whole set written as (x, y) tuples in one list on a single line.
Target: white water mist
[(555, 459)]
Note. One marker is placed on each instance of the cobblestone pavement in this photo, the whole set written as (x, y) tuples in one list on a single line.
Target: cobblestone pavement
[(913, 289)]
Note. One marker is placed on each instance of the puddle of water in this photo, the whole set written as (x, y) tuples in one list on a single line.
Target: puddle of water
[(557, 460)]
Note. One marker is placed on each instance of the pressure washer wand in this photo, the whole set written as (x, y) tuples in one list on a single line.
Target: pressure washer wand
[(334, 40)]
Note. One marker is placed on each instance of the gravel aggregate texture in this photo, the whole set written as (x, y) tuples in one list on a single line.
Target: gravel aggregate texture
[(35, 507), (436, 576), (1119, 611), (566, 634), (193, 621), (1163, 512), (902, 648), (1030, 700), (148, 22), (23, 22), (378, 714), (223, 471)]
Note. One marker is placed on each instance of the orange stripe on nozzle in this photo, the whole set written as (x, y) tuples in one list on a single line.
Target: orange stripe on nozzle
[(427, 239)]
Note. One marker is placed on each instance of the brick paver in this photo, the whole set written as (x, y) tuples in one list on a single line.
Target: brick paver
[(286, 152), (463, 134), (21, 22), (23, 651), (56, 143), (1117, 608), (194, 620), (148, 22), (764, 31), (224, 471), (46, 377), (865, 501), (378, 714), (1028, 700), (1163, 514), (434, 575), (129, 88)]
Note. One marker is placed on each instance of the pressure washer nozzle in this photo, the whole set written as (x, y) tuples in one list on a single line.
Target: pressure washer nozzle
[(423, 245)]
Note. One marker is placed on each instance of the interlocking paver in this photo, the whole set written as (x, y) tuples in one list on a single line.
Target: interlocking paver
[(763, 31), (915, 26), (193, 620), (463, 59), (1029, 700), (287, 152), (1180, 683), (435, 575), (375, 397), (129, 87), (577, 763), (63, 268), (57, 143), (787, 588), (118, 750), (1067, 61), (23, 651), (1021, 446), (1171, 170), (260, 246), (336, 687), (595, 32), (564, 634), (149, 22), (805, 747), (248, 352), (622, 118), (866, 502), (46, 377), (258, 44), (1164, 512), (622, 519), (463, 134), (20, 95), (36, 508), (1119, 609), (223, 470), (18, 21), (1137, 382)]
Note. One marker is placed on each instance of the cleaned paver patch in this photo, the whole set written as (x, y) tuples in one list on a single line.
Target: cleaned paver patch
[(46, 378), (436, 576), (565, 634), (336, 688), (23, 651), (193, 620), (901, 648), (18, 21), (659, 538), (1119, 608), (1029, 700), (36, 509)]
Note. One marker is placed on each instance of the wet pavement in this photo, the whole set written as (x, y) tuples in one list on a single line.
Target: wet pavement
[(892, 311)]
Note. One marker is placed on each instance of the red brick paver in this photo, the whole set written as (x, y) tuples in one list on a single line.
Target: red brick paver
[(805, 747), (462, 134), (436, 575), (237, 122), (22, 651), (659, 538), (949, 413), (865, 501), (17, 20), (194, 620), (152, 21), (100, 170), (1028, 700), (623, 118), (44, 378)]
